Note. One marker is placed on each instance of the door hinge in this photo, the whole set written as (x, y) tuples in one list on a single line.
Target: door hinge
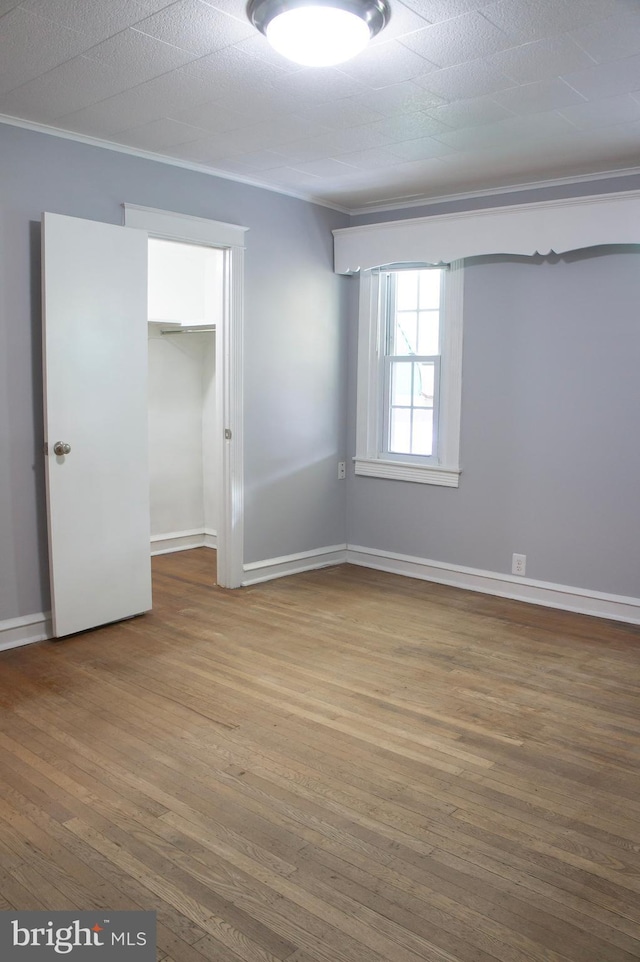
[(227, 434)]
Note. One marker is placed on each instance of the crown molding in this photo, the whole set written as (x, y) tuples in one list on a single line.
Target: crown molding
[(163, 159), (433, 201), (398, 204)]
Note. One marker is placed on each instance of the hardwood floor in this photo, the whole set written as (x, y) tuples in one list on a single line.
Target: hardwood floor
[(341, 766)]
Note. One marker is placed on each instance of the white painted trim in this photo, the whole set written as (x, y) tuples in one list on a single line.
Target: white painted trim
[(169, 161), (176, 226), (16, 632), (230, 424), (32, 628), (210, 538), (435, 200), (291, 564), (451, 379), (182, 541), (168, 535), (368, 403), (229, 371), (370, 461), (542, 227), (403, 471), (400, 203), (565, 597)]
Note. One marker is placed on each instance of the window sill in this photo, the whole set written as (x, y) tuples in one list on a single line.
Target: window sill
[(404, 471)]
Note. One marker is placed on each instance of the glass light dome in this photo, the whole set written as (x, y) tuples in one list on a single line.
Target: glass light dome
[(319, 33), (318, 36)]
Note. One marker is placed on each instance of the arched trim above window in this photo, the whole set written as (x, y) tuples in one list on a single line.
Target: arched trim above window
[(527, 229)]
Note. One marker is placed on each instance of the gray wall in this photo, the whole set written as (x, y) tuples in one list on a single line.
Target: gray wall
[(549, 440), (551, 464), (181, 422), (295, 345)]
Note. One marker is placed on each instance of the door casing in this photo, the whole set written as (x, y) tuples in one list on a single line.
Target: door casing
[(230, 238)]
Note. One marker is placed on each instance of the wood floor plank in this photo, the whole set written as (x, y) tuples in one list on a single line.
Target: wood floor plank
[(341, 766)]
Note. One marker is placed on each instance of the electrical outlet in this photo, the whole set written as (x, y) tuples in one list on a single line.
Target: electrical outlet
[(342, 470), (519, 564)]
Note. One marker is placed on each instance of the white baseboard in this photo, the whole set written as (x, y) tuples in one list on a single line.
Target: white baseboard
[(15, 632), (258, 571), (182, 541), (210, 538), (568, 598)]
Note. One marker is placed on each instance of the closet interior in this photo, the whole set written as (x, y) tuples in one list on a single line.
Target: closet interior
[(185, 307)]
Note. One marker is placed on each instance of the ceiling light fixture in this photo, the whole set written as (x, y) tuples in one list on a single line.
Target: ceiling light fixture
[(319, 33)]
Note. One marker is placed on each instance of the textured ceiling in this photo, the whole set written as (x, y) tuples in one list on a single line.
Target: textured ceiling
[(453, 96)]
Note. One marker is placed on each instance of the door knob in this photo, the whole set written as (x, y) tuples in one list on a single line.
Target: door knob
[(61, 447)]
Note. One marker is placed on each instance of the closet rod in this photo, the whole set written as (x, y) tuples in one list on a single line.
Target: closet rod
[(190, 330)]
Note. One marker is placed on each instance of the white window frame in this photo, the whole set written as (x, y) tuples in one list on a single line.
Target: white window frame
[(370, 459)]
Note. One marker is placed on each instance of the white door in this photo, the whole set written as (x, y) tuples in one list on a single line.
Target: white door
[(95, 401)]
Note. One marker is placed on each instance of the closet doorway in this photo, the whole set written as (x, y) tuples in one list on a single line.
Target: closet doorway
[(185, 308), (226, 243)]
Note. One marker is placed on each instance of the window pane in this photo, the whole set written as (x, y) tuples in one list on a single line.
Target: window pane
[(405, 333), (400, 431), (401, 388), (429, 290), (411, 407), (411, 335), (415, 314), (428, 333), (423, 385), (422, 434), (407, 290)]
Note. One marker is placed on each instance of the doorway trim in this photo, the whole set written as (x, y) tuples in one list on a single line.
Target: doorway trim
[(170, 225)]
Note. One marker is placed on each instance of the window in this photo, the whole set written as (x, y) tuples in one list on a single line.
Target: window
[(409, 373), (410, 315)]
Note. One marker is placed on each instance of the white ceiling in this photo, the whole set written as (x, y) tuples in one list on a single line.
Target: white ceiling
[(453, 96)]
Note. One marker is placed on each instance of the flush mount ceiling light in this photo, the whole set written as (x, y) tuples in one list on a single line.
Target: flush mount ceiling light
[(319, 33)]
